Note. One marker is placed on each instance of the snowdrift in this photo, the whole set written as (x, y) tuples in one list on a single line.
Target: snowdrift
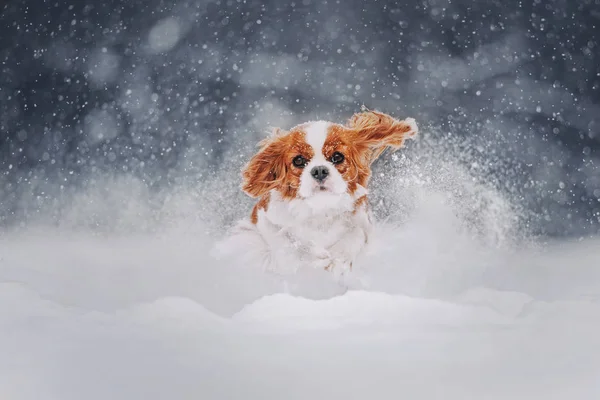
[(147, 317)]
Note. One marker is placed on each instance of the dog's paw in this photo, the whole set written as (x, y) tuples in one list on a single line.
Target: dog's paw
[(338, 266), (320, 253), (323, 262), (319, 257)]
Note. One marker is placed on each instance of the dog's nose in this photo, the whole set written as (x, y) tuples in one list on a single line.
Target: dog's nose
[(319, 173)]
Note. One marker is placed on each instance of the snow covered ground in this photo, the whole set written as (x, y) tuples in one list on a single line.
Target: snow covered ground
[(430, 313)]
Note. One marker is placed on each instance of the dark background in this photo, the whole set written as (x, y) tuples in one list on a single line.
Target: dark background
[(170, 91)]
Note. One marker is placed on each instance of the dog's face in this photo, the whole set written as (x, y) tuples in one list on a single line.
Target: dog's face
[(323, 159)]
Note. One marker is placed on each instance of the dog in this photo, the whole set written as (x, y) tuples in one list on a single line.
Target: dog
[(311, 185)]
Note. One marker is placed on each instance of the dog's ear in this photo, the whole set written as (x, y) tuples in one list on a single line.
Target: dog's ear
[(378, 131), (266, 170)]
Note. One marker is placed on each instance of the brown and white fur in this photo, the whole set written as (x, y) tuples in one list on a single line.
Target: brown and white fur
[(311, 186)]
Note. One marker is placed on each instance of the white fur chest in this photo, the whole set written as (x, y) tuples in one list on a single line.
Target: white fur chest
[(323, 231)]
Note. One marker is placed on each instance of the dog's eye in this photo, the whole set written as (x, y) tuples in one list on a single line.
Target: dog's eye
[(337, 158), (299, 161)]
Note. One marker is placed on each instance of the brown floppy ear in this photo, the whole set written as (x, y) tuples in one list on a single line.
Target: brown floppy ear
[(266, 169), (378, 131)]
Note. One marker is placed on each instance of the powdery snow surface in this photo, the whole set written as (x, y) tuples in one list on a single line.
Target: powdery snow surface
[(431, 312)]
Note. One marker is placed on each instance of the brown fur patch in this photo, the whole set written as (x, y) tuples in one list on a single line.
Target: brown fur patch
[(361, 201), (272, 167), (378, 131), (362, 140), (263, 204), (355, 168)]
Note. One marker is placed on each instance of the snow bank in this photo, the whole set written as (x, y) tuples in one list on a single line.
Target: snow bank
[(153, 317)]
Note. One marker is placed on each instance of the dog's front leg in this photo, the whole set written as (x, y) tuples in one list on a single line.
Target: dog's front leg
[(308, 252), (344, 251), (352, 242)]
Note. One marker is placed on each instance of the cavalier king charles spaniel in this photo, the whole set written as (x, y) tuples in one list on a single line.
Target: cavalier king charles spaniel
[(311, 186)]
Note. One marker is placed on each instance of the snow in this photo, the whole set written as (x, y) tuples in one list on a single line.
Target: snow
[(99, 126), (431, 312), (361, 309), (164, 35), (103, 67)]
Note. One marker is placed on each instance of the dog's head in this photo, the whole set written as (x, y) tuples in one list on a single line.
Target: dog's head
[(324, 159)]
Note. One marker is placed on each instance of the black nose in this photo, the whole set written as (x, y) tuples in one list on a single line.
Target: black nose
[(319, 173)]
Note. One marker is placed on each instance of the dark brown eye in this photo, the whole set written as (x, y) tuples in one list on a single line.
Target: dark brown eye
[(299, 162), (336, 158)]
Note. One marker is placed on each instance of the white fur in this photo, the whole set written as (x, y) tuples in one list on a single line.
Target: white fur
[(320, 232), (414, 129), (316, 134)]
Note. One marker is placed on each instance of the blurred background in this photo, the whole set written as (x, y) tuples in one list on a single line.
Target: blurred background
[(160, 95)]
